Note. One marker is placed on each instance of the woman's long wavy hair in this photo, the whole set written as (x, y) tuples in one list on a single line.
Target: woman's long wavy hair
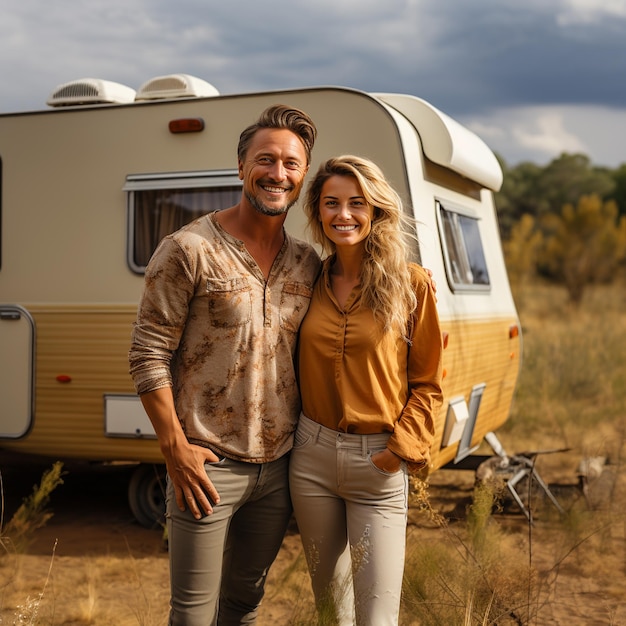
[(385, 277)]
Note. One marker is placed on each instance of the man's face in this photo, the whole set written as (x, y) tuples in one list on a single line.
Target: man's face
[(273, 170)]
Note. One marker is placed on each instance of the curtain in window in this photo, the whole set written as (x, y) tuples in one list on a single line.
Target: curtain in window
[(159, 212)]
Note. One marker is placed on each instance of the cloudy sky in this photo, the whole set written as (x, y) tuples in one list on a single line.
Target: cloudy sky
[(533, 78)]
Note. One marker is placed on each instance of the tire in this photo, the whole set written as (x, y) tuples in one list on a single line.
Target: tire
[(146, 495)]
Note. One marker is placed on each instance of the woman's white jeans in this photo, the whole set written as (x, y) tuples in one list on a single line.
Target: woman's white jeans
[(352, 518)]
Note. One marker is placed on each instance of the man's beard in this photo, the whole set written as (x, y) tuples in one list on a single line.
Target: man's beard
[(264, 209)]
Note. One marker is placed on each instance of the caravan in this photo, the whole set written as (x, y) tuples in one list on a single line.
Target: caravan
[(90, 185)]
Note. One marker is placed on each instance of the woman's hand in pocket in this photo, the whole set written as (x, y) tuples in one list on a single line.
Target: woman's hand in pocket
[(387, 461)]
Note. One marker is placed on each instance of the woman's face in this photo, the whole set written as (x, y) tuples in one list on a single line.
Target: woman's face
[(345, 215)]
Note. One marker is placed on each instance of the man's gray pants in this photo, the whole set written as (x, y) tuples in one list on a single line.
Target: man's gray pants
[(219, 564)]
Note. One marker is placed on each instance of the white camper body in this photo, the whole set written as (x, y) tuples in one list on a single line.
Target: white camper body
[(79, 186)]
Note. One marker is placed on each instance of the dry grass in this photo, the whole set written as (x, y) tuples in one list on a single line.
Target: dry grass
[(66, 586), (86, 591), (472, 558)]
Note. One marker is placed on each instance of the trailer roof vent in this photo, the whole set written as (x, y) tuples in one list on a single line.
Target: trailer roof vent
[(175, 86), (90, 91)]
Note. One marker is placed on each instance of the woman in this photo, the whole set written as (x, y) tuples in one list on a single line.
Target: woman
[(370, 378)]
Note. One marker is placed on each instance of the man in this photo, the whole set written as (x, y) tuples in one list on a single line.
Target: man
[(212, 359)]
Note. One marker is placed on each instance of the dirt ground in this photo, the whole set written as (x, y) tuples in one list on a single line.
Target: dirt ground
[(92, 564)]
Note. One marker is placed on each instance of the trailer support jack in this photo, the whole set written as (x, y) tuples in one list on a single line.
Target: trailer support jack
[(517, 467)]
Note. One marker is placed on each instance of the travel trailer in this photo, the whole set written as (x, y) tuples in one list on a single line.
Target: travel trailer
[(90, 185)]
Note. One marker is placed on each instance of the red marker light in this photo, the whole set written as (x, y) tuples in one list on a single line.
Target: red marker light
[(187, 125), (64, 378)]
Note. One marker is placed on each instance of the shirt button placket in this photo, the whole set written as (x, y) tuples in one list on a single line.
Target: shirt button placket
[(267, 301)]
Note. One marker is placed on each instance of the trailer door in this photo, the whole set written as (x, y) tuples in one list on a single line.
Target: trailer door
[(17, 341)]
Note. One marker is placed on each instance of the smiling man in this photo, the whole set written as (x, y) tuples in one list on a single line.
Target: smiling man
[(212, 358), (273, 171)]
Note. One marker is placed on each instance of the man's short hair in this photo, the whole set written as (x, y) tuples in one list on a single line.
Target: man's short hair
[(281, 116)]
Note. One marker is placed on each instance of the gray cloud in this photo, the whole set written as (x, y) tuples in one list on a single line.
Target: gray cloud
[(497, 65)]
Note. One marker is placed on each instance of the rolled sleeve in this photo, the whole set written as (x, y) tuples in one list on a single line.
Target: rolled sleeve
[(161, 317), (415, 429)]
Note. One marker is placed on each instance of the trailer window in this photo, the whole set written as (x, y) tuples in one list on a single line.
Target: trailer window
[(463, 249), (161, 204)]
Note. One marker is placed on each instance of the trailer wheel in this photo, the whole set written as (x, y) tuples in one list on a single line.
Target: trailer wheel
[(146, 495)]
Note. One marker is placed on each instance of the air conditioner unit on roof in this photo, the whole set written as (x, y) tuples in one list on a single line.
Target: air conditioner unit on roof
[(90, 91), (175, 86)]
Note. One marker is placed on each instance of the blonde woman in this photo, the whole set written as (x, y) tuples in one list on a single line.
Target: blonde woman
[(369, 363)]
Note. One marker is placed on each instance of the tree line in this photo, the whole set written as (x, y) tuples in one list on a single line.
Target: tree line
[(564, 222)]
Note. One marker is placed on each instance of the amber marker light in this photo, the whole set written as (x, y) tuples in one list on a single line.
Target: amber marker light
[(187, 125), (513, 331)]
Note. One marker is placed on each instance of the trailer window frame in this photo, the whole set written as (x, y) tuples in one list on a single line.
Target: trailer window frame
[(185, 196), (462, 247), (1, 216)]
